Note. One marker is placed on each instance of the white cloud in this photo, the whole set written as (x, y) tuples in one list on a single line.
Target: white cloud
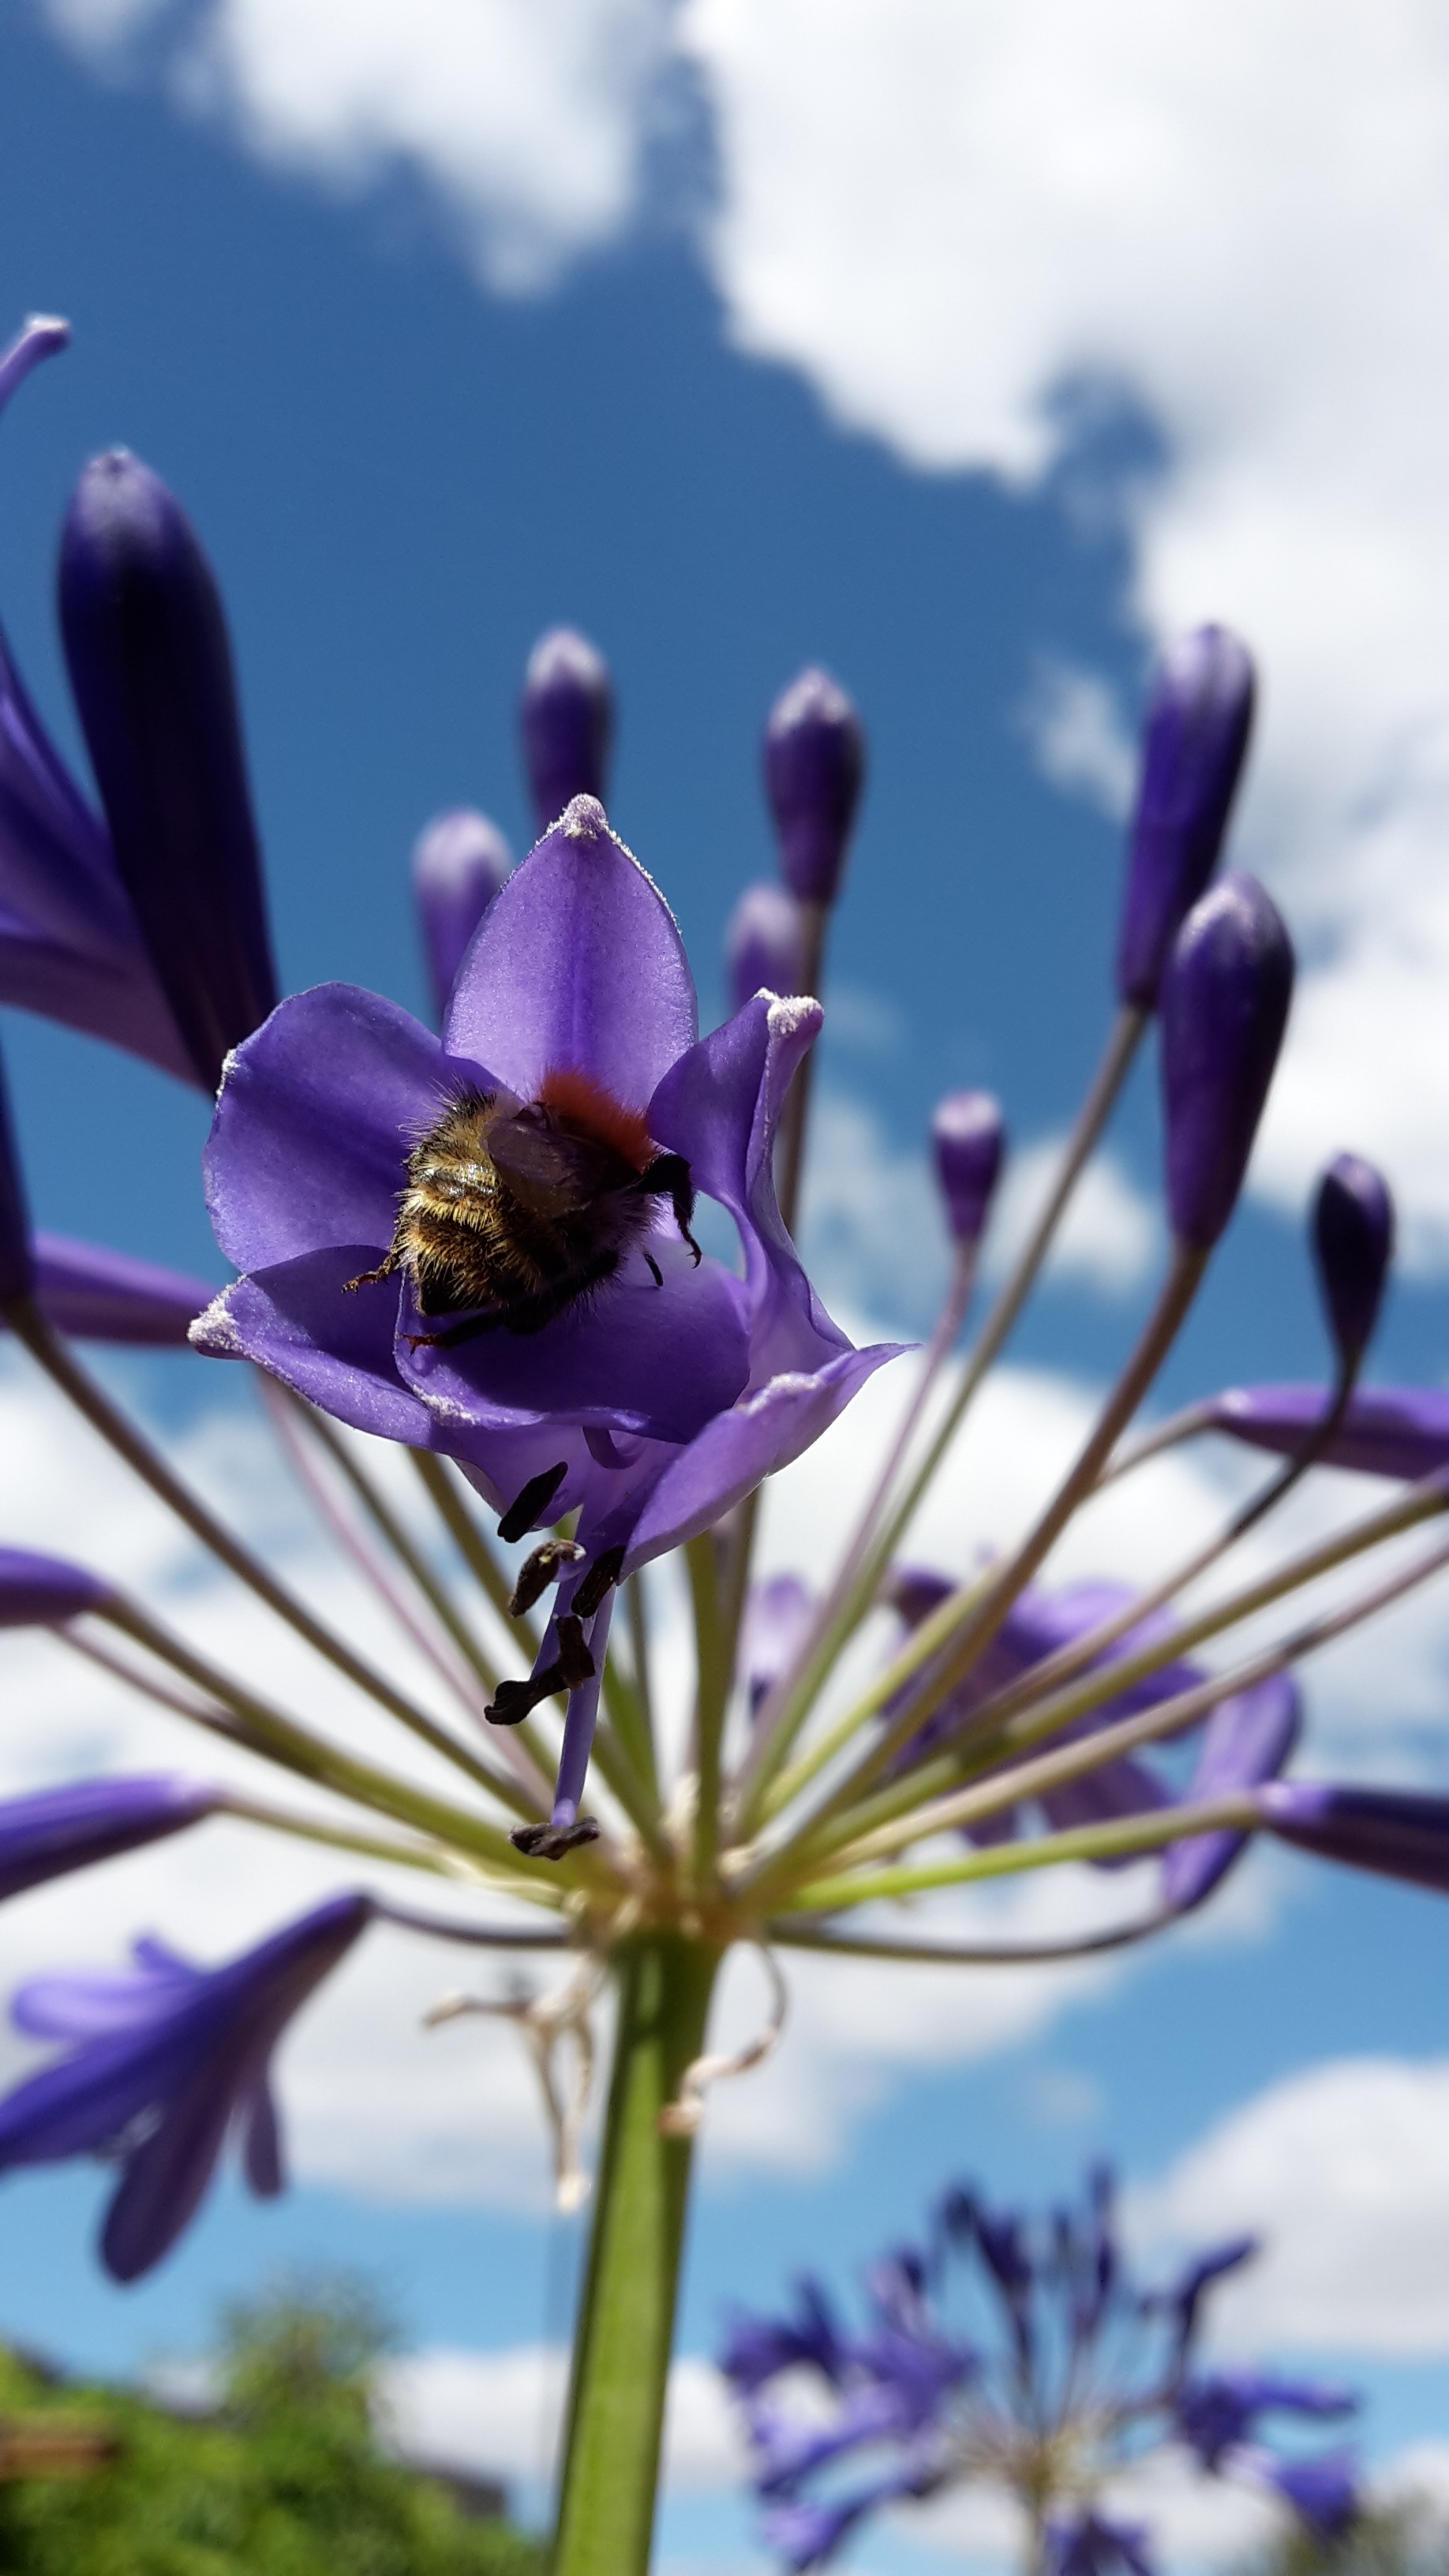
[(451, 2114), (527, 118), (874, 1235), (498, 2413), (1341, 2168), (948, 212), (1111, 1238), (1074, 725)]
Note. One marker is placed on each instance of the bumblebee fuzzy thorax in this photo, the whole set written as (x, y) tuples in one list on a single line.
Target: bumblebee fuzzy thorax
[(512, 1213)]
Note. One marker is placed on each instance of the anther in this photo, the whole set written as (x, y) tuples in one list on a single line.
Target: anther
[(602, 1575), (524, 1510), (575, 1662), (551, 1842), (572, 1667), (541, 1569)]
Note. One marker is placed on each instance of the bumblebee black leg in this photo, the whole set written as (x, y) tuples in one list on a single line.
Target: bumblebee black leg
[(365, 1278), (669, 1177), (654, 1266)]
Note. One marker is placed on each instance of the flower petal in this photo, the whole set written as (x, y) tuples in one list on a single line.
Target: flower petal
[(314, 1124), (578, 964), (104, 1296), (298, 1320), (736, 1451), (1248, 1740), (637, 1358)]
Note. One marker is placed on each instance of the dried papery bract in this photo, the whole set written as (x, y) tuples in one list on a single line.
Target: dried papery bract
[(151, 667), (567, 722), (459, 864), (1194, 744)]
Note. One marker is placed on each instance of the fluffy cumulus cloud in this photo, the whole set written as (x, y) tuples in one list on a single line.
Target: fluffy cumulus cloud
[(955, 215), (964, 220), (529, 120), (1340, 2167)]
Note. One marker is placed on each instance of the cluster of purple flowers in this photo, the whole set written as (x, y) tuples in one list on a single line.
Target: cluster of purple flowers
[(1019, 2355), (476, 1242)]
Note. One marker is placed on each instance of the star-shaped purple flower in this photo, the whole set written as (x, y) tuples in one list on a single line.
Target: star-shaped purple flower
[(164, 2059), (540, 1311)]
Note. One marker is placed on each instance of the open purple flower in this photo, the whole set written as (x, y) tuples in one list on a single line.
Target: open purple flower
[(1247, 1739), (163, 2060), (481, 1244), (1017, 2349)]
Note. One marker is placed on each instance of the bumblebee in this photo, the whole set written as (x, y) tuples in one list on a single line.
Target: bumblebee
[(512, 1213)]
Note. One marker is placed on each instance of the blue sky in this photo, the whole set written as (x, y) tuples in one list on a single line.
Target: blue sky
[(403, 474)]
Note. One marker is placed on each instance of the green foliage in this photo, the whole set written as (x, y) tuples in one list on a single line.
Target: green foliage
[(286, 2480), (1389, 2540)]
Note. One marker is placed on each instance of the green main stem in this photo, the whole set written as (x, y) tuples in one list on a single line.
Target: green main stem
[(625, 2330)]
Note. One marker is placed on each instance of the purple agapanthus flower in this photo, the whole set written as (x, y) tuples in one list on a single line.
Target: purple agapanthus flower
[(1247, 1739), (1017, 2350), (583, 1356), (44, 1591), (70, 944), (162, 2060)]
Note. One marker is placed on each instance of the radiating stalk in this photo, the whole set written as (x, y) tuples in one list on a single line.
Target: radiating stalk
[(625, 2329), (946, 1645), (769, 1748), (1123, 1839), (795, 1116), (711, 1701), (64, 1370)]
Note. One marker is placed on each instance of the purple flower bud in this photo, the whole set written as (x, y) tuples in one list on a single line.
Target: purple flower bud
[(1395, 1832), (43, 1591), (459, 864), (568, 722), (1353, 1239), (151, 667), (57, 1830), (102, 1296), (17, 1270), (1196, 736), (968, 1135), (764, 945), (814, 769), (1225, 1003)]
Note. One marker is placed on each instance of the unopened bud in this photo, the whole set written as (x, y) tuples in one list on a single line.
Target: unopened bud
[(1225, 1003), (764, 945), (814, 769), (968, 1138), (1192, 753), (1353, 1241), (151, 667), (567, 716), (459, 864)]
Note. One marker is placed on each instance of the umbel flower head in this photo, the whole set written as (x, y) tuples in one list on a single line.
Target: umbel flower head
[(1018, 2353), (497, 1247)]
